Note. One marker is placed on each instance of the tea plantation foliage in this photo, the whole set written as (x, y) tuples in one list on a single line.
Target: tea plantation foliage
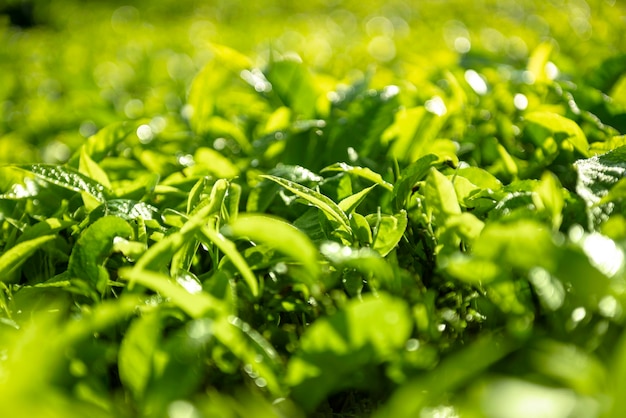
[(334, 208)]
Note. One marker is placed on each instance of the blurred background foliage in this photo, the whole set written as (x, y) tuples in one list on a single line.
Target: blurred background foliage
[(69, 68)]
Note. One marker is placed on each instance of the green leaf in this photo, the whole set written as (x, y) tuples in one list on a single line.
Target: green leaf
[(337, 349), (103, 315), (616, 194), (212, 205), (498, 394), (617, 378), (470, 269), (362, 172), (479, 177), (17, 255), (106, 139), (162, 252), (596, 177), (387, 230), (196, 305), (413, 132), (93, 248), (130, 209), (361, 228), (135, 358), (365, 260), (230, 250), (46, 227), (264, 192), (294, 85), (507, 161), (555, 359), (221, 127), (467, 226), (280, 235), (415, 172), (547, 124), (538, 61), (607, 74), (548, 195), (440, 196), (178, 358), (67, 178), (350, 203), (586, 267), (315, 199), (91, 169), (202, 95), (522, 244), (260, 359), (137, 187)]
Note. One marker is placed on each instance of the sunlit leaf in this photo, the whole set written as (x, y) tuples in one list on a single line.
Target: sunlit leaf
[(596, 177), (441, 196), (230, 250), (214, 163), (415, 172), (538, 61), (68, 178), (387, 230), (129, 209), (15, 257), (361, 228), (362, 172), (91, 169), (350, 203), (315, 199), (280, 235), (549, 196), (544, 124), (102, 142), (523, 244), (293, 84), (470, 269)]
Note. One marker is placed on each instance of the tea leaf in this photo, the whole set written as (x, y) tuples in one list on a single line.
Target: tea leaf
[(68, 178), (17, 255), (315, 199), (334, 349), (278, 234), (362, 172), (559, 127), (93, 248), (387, 230), (196, 305)]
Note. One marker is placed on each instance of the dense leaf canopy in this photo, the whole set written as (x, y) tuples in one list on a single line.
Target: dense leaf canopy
[(329, 208)]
